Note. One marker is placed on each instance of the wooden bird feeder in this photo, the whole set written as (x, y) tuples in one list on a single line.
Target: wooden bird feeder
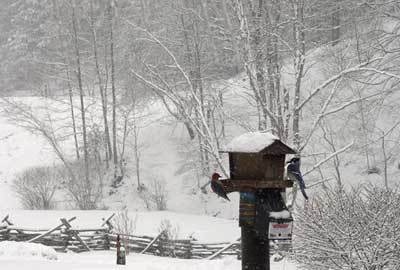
[(256, 161), (257, 164)]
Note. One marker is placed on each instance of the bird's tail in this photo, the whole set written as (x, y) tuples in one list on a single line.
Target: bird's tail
[(226, 197)]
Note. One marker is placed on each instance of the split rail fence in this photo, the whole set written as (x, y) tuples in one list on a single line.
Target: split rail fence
[(64, 238)]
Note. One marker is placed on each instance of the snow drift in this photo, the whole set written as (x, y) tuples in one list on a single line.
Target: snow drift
[(26, 250)]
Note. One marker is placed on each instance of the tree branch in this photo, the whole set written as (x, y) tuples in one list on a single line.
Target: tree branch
[(358, 68), (328, 158)]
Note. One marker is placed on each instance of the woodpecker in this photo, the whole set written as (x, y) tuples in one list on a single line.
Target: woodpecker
[(294, 174), (217, 186)]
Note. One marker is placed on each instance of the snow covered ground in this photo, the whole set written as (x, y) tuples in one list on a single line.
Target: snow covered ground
[(19, 149), (24, 256), (11, 249), (107, 260)]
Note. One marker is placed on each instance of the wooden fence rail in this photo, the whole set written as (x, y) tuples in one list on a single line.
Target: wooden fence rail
[(64, 238), (103, 240)]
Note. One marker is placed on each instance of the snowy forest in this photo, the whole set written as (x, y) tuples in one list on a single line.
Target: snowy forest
[(126, 104)]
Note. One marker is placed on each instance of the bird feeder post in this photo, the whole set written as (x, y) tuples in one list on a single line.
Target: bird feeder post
[(257, 162)]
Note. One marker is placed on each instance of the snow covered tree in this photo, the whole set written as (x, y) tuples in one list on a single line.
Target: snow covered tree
[(356, 229)]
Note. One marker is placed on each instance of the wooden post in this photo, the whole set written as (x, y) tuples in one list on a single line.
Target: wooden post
[(74, 233), (255, 251), (108, 222), (49, 231), (9, 223), (151, 242), (228, 246), (5, 220)]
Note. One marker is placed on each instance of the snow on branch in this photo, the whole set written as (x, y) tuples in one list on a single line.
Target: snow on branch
[(382, 72), (358, 68), (380, 137), (197, 120), (5, 137), (328, 158), (320, 182), (170, 54), (321, 115), (325, 113)]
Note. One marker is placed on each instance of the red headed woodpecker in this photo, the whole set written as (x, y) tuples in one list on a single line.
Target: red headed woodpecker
[(217, 186)]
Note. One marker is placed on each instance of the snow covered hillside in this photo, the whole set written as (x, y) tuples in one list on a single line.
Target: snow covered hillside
[(160, 140), (19, 149), (163, 144)]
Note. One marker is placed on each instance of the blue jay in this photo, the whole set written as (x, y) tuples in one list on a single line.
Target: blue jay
[(294, 174)]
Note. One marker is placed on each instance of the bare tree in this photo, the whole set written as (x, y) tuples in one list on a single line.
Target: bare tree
[(66, 63), (169, 233), (125, 225), (155, 195), (81, 91), (36, 187), (102, 82), (111, 14), (172, 95), (86, 194)]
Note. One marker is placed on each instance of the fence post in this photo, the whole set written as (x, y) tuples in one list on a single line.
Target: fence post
[(107, 244), (190, 247)]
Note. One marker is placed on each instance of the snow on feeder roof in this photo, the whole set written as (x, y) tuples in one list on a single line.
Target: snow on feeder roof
[(285, 214), (256, 142)]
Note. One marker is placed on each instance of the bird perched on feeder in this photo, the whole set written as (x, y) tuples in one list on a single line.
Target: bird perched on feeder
[(294, 174), (217, 186)]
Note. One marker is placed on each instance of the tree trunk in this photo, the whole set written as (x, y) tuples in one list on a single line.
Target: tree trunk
[(114, 99), (70, 94), (62, 47), (136, 149), (102, 86), (299, 61), (258, 45), (232, 34), (143, 6), (336, 23), (81, 94)]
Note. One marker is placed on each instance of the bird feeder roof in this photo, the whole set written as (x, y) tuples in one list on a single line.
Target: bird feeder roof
[(257, 142)]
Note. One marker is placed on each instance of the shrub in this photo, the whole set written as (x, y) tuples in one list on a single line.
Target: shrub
[(36, 187), (155, 196), (125, 226), (356, 229), (169, 234), (85, 194)]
